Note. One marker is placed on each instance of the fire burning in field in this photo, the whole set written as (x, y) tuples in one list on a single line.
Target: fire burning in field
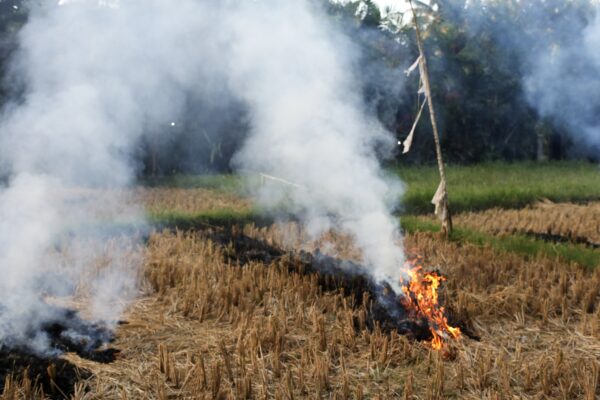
[(421, 299)]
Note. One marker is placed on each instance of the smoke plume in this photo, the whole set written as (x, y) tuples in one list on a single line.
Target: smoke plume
[(551, 47), (310, 128), (95, 77), (564, 81), (98, 78)]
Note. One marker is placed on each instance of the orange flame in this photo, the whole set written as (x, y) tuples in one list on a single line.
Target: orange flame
[(421, 298)]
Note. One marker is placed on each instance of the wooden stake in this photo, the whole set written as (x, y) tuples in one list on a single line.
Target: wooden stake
[(444, 207)]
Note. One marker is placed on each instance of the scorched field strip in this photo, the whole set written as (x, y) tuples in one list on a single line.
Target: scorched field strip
[(214, 328), (233, 313)]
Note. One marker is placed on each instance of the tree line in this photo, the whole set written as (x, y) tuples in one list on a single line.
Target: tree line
[(478, 51)]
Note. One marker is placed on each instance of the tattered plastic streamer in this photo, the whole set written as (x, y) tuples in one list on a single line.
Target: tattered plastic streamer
[(413, 66), (408, 142)]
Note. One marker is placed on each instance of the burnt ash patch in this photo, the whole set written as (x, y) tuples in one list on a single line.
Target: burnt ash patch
[(69, 333), (66, 332), (385, 309), (55, 376)]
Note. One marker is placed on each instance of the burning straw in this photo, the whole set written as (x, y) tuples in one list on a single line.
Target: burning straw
[(421, 299), (415, 312)]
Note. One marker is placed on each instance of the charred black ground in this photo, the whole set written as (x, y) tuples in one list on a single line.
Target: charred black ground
[(57, 377), (70, 333), (385, 309), (555, 238), (66, 332)]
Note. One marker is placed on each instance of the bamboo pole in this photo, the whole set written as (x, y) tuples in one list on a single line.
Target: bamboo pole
[(442, 204)]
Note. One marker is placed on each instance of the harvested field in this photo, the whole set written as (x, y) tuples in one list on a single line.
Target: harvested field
[(190, 201), (111, 205), (553, 221), (215, 324)]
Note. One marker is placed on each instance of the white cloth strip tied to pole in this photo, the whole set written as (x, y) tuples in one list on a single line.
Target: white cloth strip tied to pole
[(422, 85), (439, 198), (413, 66), (408, 142)]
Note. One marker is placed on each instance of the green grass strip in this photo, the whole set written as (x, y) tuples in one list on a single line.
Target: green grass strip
[(503, 185), (518, 244), (471, 188)]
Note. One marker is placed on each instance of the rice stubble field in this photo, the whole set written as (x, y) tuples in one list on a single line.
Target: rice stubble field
[(214, 321)]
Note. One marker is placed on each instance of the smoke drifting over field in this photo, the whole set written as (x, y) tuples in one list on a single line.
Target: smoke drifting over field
[(99, 77), (308, 126), (552, 47), (564, 81), (96, 79)]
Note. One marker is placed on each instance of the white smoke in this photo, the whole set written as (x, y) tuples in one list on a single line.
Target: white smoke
[(564, 82), (98, 76), (554, 45), (309, 126)]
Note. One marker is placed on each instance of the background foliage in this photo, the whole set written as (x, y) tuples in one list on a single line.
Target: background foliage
[(478, 51)]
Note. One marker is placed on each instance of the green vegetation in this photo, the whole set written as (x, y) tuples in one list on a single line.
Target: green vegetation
[(474, 187), (471, 188), (221, 182), (482, 186), (519, 244)]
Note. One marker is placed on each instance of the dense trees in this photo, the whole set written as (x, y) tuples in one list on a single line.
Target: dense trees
[(480, 53)]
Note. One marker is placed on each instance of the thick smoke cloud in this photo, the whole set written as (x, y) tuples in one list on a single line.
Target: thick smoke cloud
[(96, 78), (309, 126), (100, 78)]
